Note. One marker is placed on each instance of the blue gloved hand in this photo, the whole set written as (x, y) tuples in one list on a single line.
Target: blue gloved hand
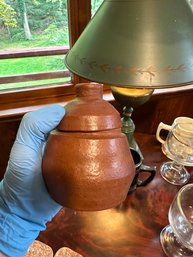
[(25, 205)]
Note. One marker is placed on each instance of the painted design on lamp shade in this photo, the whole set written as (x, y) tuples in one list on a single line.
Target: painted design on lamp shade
[(151, 70)]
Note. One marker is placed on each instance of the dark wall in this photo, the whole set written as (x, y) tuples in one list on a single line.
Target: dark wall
[(8, 130)]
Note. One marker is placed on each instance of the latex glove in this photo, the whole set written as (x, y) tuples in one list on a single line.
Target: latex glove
[(25, 205)]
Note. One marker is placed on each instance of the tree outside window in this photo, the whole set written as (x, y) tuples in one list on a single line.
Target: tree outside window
[(34, 23)]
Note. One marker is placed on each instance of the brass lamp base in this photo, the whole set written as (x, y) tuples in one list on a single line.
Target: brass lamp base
[(128, 128), (131, 98)]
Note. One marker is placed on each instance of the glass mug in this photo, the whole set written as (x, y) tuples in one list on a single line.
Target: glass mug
[(179, 148), (140, 168), (177, 237), (163, 126)]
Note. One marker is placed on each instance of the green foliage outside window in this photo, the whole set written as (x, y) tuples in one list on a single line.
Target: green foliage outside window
[(7, 15), (34, 23), (29, 19)]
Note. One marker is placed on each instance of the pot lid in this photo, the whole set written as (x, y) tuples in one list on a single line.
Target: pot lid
[(88, 111)]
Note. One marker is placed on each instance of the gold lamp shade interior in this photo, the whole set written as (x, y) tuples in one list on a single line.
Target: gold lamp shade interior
[(138, 43)]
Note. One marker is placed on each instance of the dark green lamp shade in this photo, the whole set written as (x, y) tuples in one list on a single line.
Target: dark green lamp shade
[(137, 43)]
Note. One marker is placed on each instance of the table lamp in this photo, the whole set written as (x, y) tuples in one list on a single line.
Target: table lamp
[(136, 46), (130, 98)]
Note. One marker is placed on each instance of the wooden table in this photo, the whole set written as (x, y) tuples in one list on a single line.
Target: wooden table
[(130, 230)]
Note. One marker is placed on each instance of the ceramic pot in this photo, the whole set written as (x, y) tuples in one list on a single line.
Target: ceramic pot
[(87, 164)]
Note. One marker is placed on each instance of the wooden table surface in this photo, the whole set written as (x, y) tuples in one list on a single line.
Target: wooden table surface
[(130, 230)]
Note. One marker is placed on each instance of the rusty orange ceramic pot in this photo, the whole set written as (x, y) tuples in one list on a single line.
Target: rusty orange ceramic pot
[(87, 164)]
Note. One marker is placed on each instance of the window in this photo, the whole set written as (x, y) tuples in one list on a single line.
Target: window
[(79, 14), (95, 4), (36, 28), (190, 3)]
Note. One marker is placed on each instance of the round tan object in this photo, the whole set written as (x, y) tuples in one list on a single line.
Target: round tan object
[(38, 249), (67, 252)]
